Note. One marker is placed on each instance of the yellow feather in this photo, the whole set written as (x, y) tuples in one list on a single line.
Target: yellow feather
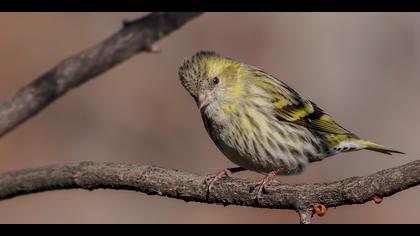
[(230, 108), (280, 103)]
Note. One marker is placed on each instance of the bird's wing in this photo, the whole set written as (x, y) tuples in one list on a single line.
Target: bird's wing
[(291, 107), (317, 120)]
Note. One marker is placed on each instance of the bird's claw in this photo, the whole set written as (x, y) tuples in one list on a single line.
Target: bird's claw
[(212, 178), (261, 186)]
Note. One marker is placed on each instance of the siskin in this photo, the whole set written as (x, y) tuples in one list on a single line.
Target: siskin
[(260, 123)]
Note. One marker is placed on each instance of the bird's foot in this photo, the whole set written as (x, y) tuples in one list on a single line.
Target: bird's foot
[(212, 178), (260, 185)]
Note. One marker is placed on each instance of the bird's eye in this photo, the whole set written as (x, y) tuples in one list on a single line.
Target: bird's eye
[(216, 80)]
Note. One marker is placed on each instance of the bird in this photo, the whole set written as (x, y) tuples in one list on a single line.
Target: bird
[(259, 122)]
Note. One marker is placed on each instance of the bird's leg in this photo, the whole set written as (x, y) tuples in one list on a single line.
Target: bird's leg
[(211, 179), (260, 185)]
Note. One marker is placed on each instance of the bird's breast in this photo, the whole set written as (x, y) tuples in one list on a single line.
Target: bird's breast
[(258, 142)]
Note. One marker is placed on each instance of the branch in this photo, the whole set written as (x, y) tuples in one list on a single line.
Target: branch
[(135, 37), (228, 191)]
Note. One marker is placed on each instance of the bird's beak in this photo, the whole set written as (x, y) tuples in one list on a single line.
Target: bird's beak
[(203, 99)]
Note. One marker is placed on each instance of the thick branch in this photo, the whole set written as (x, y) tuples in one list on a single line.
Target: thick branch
[(191, 187), (136, 36)]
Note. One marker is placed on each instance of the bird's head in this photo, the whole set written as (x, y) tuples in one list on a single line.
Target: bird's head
[(212, 80)]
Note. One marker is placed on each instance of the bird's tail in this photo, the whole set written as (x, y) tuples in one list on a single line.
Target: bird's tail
[(376, 147)]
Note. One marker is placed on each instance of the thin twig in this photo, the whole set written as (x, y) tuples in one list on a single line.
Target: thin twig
[(305, 216)]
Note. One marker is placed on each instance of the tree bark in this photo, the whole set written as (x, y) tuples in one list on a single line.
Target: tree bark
[(227, 191)]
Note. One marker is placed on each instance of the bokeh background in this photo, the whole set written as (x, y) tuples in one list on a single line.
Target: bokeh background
[(362, 68)]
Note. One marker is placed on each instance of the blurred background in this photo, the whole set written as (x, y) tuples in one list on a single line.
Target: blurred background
[(362, 68)]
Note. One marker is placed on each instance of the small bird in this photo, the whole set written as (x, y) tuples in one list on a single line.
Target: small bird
[(260, 123)]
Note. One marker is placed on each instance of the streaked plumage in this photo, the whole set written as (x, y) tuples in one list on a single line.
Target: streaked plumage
[(259, 122)]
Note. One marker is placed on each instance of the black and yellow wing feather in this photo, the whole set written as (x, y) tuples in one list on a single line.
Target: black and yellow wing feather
[(291, 107)]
